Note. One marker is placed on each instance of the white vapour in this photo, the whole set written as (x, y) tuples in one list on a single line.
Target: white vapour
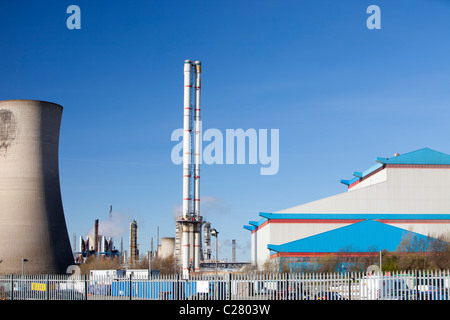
[(209, 206), (114, 226)]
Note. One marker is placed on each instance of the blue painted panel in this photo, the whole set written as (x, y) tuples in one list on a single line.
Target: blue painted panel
[(421, 156), (354, 216), (363, 236)]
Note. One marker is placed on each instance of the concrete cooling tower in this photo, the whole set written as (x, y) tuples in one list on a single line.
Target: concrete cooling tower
[(32, 223)]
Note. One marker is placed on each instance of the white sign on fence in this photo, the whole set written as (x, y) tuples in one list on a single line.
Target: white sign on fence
[(202, 286)]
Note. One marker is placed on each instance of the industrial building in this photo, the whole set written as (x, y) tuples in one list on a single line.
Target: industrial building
[(403, 194), (95, 245), (33, 232)]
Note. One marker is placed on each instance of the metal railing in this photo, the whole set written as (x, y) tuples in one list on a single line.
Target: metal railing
[(411, 285)]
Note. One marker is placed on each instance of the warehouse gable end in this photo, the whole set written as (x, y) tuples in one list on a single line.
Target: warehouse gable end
[(397, 195)]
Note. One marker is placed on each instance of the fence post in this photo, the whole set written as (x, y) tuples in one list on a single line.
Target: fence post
[(349, 287), (229, 286), (12, 287), (286, 288), (175, 288), (130, 287), (85, 287), (47, 289)]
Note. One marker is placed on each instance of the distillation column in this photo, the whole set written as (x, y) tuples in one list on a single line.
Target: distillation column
[(197, 158), (191, 220), (187, 154)]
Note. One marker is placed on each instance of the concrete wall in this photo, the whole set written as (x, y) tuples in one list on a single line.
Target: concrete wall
[(32, 223)]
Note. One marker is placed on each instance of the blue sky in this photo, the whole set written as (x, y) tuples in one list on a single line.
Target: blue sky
[(339, 93)]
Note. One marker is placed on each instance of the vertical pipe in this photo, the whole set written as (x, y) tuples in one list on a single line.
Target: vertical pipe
[(187, 139), (186, 249), (187, 153), (197, 138), (197, 160), (207, 242), (197, 239)]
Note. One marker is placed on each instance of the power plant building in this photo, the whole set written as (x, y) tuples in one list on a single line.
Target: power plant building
[(400, 195), (32, 224)]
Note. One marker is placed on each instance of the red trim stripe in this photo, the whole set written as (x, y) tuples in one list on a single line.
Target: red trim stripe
[(349, 221), (428, 166), (322, 254), (315, 220), (366, 177)]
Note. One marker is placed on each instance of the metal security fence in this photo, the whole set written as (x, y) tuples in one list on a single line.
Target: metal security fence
[(412, 285)]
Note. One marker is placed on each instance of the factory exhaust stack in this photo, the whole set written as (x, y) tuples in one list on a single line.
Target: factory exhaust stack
[(191, 219)]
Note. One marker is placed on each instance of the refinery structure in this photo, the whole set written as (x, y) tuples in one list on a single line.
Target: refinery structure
[(189, 225), (32, 223), (98, 245)]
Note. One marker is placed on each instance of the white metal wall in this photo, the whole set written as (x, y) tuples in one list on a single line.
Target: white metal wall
[(391, 191), (406, 191)]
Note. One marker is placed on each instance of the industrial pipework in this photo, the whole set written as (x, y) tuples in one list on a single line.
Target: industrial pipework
[(191, 219)]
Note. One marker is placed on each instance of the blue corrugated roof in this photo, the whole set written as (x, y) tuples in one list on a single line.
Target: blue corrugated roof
[(258, 223), (424, 156), (255, 224), (250, 228), (364, 236), (339, 216), (355, 216), (421, 156), (360, 175)]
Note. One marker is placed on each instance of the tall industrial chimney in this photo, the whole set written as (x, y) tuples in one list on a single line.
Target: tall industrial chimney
[(197, 159), (191, 220), (187, 150), (32, 223)]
